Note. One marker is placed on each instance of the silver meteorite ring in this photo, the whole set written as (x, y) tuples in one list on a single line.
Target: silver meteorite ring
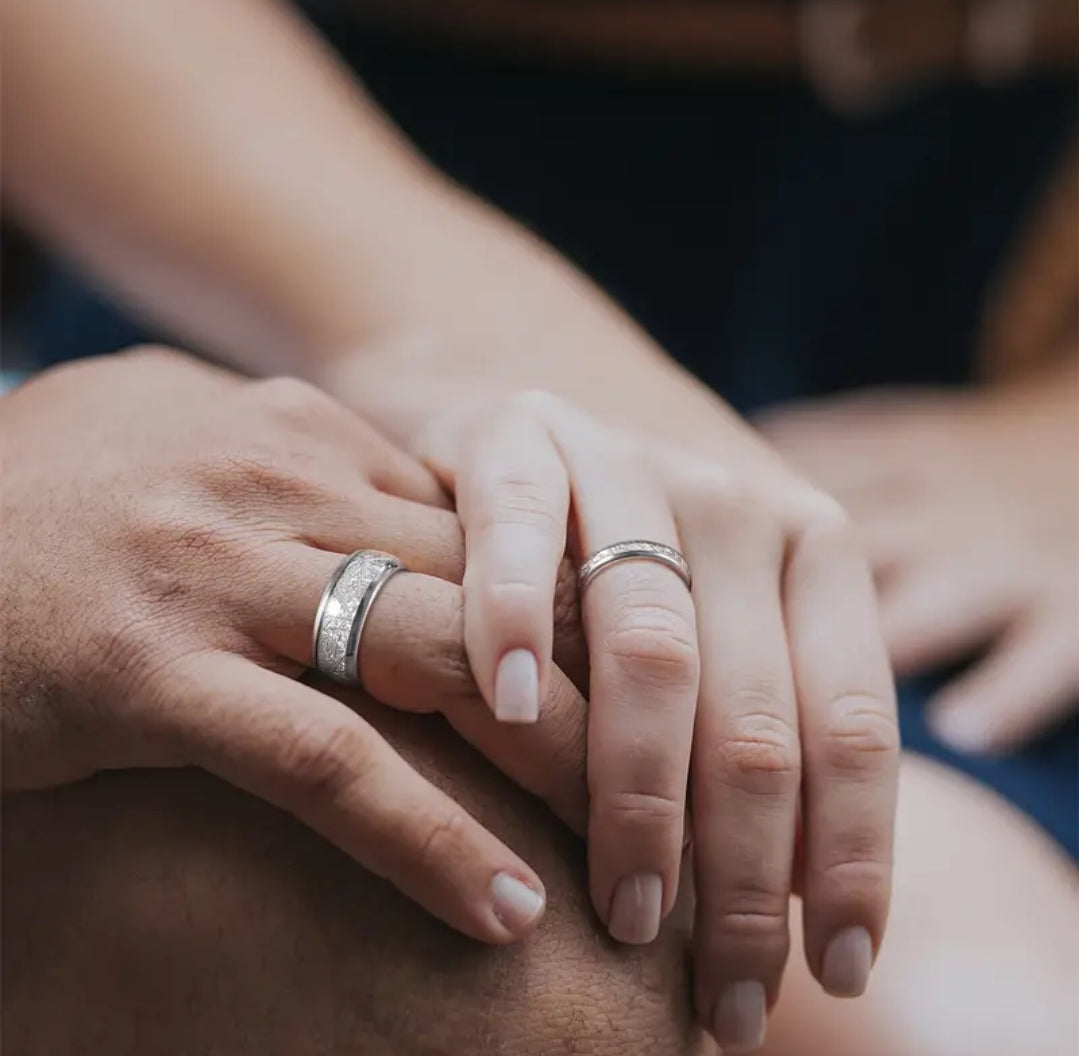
[(343, 611)]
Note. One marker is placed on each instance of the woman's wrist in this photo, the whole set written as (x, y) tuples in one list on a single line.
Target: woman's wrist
[(471, 305)]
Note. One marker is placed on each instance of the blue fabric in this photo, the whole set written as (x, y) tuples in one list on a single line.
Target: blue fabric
[(774, 249), (1040, 780)]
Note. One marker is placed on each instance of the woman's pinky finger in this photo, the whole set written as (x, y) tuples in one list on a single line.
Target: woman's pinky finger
[(311, 756), (850, 746)]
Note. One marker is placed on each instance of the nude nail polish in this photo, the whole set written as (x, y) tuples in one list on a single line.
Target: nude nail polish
[(847, 963), (636, 909), (517, 687), (740, 1018), (515, 903)]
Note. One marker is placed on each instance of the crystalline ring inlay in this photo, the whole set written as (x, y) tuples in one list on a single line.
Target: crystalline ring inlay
[(343, 611)]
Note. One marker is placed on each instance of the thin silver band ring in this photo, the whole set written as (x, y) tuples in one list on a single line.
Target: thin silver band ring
[(343, 610), (634, 550)]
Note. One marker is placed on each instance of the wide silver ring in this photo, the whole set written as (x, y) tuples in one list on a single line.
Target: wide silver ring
[(343, 611), (633, 550)]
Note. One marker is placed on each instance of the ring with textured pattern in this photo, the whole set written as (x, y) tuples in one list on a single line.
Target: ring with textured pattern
[(633, 550), (343, 610)]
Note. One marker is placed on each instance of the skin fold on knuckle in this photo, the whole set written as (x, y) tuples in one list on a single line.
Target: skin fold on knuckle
[(653, 646), (849, 873), (628, 812), (861, 737), (514, 502), (746, 905), (124, 653), (318, 763), (760, 754), (739, 944)]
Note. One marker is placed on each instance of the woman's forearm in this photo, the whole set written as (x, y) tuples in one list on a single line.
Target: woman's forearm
[(209, 161)]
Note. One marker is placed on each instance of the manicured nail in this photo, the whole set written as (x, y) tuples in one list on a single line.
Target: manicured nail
[(847, 963), (741, 1018), (515, 903), (517, 687), (960, 729), (636, 908)]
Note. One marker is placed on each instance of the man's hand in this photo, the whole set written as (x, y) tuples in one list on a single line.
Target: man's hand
[(968, 506), (167, 530)]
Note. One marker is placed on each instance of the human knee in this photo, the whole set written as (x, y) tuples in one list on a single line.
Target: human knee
[(166, 912)]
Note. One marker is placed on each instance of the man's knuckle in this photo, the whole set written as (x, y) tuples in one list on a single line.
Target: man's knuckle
[(267, 475), (116, 645), (167, 535), (450, 663), (320, 760)]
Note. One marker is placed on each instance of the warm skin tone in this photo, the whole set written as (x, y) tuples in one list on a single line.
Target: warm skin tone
[(219, 516), (414, 303), (119, 893), (211, 511), (969, 509), (165, 912)]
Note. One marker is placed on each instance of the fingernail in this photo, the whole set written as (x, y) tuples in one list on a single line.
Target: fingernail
[(636, 907), (517, 687), (740, 1018), (515, 903), (847, 963), (960, 729)]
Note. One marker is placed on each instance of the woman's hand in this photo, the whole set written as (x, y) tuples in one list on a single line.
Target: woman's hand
[(168, 529), (969, 508), (770, 679)]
